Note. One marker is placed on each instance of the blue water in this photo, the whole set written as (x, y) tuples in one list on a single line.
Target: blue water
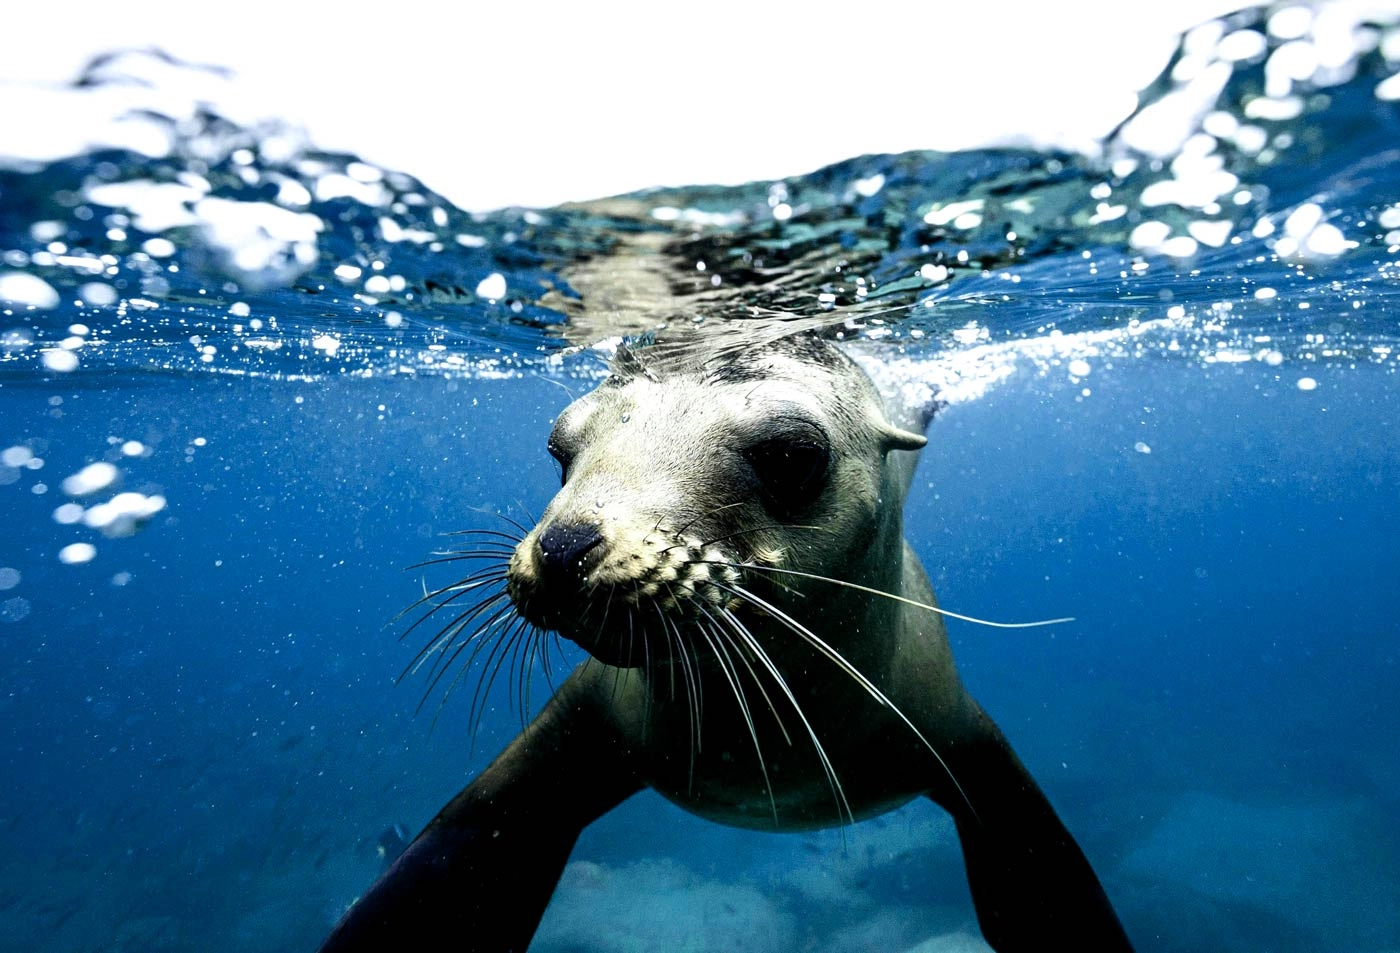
[(1195, 455)]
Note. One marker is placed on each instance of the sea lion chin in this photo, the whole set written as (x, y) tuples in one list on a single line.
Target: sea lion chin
[(764, 650)]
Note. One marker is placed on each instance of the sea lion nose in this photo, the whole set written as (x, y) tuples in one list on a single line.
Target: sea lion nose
[(565, 547)]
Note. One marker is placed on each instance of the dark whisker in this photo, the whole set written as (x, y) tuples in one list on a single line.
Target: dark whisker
[(546, 643), (476, 642), (467, 581), (499, 649), (744, 532), (448, 634), (445, 659), (706, 515), (462, 672), (459, 589), (524, 530), (454, 625), (677, 644), (511, 538), (442, 557), (522, 681)]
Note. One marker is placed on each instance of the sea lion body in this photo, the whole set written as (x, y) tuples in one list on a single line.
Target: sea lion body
[(728, 547)]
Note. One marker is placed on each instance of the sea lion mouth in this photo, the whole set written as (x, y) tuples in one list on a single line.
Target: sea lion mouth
[(623, 596)]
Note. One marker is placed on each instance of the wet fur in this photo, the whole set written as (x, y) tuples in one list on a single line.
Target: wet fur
[(747, 684)]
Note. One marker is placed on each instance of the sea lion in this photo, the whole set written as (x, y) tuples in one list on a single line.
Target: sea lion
[(728, 547)]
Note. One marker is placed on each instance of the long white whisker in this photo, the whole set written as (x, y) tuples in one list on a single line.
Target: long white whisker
[(731, 675), (889, 595), (694, 699), (870, 687), (827, 766), (739, 625), (692, 692)]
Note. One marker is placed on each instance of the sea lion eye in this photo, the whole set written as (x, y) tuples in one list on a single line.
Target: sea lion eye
[(561, 457), (792, 472)]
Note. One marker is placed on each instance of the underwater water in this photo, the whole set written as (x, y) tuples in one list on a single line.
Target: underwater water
[(245, 385)]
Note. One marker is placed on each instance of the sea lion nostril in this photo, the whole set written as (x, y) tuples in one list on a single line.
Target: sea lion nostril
[(563, 548)]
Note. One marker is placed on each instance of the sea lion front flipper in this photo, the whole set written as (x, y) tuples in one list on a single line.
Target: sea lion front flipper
[(481, 873), (1031, 883)]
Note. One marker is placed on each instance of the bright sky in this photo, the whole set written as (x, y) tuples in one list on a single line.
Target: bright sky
[(536, 103)]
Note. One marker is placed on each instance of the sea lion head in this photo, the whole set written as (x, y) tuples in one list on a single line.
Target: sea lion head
[(684, 470)]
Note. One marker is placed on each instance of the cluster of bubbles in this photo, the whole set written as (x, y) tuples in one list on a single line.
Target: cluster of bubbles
[(94, 500)]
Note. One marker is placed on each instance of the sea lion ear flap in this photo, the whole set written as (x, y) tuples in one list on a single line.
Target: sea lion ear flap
[(896, 439)]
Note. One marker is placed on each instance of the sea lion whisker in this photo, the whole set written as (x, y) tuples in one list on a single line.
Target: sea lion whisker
[(809, 637), (695, 695), (516, 642), (686, 652), (901, 599), (527, 664), (678, 638), (731, 674), (445, 660), (500, 647), (449, 632), (649, 699), (505, 541), (504, 545), (646, 648), (494, 533), (443, 647), (607, 607), (497, 571), (631, 634), (475, 580), (452, 685), (443, 556), (543, 640), (838, 792), (647, 665), (692, 689), (672, 637), (453, 625), (762, 528), (483, 588), (787, 588), (695, 700), (458, 589), (485, 591), (524, 530), (737, 623), (512, 630), (739, 532), (870, 687), (701, 516)]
